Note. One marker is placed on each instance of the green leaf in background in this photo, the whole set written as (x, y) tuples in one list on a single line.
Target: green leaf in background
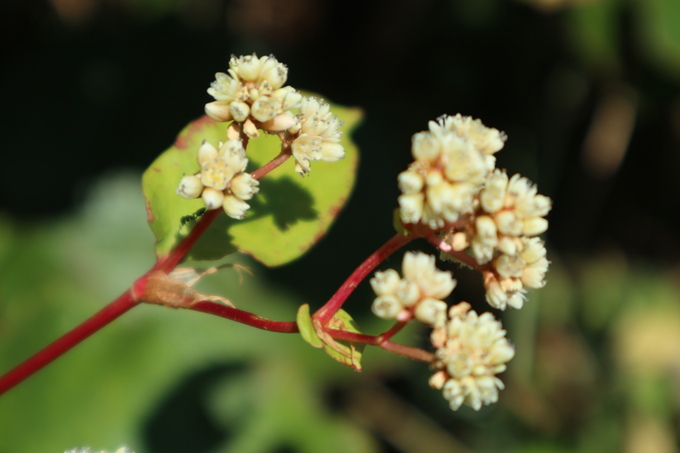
[(660, 33), (157, 380), (595, 33), (287, 217)]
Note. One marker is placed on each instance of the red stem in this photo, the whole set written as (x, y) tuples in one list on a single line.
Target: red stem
[(325, 313), (271, 165), (67, 341), (381, 342), (245, 317)]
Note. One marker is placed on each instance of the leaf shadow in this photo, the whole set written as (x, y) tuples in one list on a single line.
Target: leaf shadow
[(283, 199)]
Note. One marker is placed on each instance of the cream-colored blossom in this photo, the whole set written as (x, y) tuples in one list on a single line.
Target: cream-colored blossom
[(316, 135), (485, 139), (507, 278), (418, 294), (222, 181), (452, 161), (252, 93), (470, 350)]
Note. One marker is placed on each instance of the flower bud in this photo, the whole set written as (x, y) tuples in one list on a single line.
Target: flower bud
[(386, 307), (212, 198), (239, 111), (206, 153), (190, 187), (430, 311), (234, 207), (534, 226), (244, 186), (385, 282), (219, 111)]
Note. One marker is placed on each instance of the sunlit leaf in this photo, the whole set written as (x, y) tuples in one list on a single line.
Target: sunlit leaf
[(287, 217)]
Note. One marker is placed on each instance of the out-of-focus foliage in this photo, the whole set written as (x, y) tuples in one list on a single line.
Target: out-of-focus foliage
[(158, 380)]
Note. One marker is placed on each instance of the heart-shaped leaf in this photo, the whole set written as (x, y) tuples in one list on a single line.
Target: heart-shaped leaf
[(287, 217)]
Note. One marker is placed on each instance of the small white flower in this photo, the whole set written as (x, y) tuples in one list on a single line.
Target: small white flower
[(316, 135), (452, 161), (417, 294), (470, 350), (221, 181), (252, 93)]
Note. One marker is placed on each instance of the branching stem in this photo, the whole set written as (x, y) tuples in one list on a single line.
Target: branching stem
[(325, 313)]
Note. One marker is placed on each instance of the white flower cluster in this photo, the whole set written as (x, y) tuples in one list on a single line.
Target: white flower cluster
[(454, 180), (501, 234), (418, 294), (452, 161), (222, 181), (471, 349), (316, 135), (252, 95)]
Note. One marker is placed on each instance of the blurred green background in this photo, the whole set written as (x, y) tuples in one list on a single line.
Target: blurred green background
[(589, 95)]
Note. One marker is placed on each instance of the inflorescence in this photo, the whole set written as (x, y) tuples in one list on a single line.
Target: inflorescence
[(453, 190), (253, 98)]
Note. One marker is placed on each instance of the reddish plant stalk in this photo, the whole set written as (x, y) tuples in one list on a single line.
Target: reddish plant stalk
[(245, 317), (325, 313), (271, 165), (378, 340), (68, 341)]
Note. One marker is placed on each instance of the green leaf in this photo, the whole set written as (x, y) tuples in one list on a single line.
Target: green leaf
[(307, 331), (287, 217), (659, 33), (344, 352)]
